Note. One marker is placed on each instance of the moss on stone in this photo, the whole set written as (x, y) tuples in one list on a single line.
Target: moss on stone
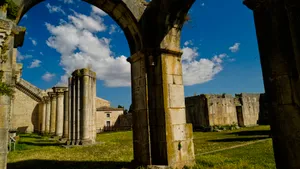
[(11, 7)]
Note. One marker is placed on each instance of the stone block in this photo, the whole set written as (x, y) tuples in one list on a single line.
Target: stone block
[(176, 96), (171, 64), (177, 116)]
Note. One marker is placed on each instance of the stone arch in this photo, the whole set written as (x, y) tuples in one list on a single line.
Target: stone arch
[(126, 14)]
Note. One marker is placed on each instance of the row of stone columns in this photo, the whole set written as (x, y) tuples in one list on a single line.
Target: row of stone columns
[(82, 88), (53, 110)]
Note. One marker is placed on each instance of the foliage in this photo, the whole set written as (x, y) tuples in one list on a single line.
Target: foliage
[(130, 109), (12, 8), (6, 89), (233, 126)]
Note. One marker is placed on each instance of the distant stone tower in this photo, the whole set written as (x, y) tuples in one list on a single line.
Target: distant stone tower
[(82, 88)]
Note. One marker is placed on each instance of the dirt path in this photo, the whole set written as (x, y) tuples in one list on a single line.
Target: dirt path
[(237, 146)]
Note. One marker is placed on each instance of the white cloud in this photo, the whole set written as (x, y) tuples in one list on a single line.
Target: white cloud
[(92, 24), (187, 43), (202, 4), (48, 76), (112, 29), (41, 53), (34, 42), (235, 47), (21, 57), (35, 63), (97, 11), (25, 16), (68, 1), (82, 48), (55, 9), (199, 71)]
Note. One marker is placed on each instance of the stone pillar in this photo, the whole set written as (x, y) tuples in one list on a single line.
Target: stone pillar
[(140, 114), (43, 117), (47, 115), (85, 104), (66, 115), (59, 110), (161, 135), (72, 121), (277, 34), (82, 88), (77, 110), (52, 113), (11, 36)]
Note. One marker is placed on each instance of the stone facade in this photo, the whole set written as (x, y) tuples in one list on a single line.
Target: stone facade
[(107, 117), (243, 109), (25, 115)]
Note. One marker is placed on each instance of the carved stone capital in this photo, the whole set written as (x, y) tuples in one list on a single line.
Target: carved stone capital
[(257, 5)]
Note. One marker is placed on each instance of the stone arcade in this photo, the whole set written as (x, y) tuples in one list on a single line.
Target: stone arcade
[(153, 33)]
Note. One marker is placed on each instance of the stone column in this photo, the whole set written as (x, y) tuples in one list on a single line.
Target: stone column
[(85, 104), (277, 36), (93, 106), (77, 109), (140, 114), (10, 36), (47, 115), (43, 117), (66, 115), (52, 112), (161, 134), (59, 110), (72, 122)]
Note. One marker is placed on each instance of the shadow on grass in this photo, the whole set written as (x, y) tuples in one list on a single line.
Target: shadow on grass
[(52, 164), (30, 136), (38, 143), (240, 139), (253, 133)]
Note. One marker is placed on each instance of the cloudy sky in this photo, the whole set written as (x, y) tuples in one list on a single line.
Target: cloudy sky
[(220, 53)]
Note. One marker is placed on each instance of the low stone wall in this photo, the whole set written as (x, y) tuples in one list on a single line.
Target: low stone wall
[(252, 109), (221, 110), (197, 111), (244, 109)]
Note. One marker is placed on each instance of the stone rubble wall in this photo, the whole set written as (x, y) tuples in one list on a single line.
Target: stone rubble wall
[(221, 110), (244, 109), (197, 112)]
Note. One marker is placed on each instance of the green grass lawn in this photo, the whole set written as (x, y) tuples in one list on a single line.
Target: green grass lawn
[(115, 151)]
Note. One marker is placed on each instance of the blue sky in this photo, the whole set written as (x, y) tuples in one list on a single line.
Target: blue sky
[(219, 45)]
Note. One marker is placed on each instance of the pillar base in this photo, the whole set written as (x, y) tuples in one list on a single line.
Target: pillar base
[(86, 142)]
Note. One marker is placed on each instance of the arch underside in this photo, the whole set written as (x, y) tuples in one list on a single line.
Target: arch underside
[(126, 14)]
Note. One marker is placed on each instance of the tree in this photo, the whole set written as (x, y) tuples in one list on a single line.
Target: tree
[(130, 109)]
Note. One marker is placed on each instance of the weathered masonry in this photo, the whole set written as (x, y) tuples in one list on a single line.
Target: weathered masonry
[(82, 88), (153, 33), (210, 109)]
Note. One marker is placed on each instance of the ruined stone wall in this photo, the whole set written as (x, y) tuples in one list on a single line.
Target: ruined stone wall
[(25, 113), (245, 109), (196, 111), (253, 107), (209, 110), (221, 110)]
